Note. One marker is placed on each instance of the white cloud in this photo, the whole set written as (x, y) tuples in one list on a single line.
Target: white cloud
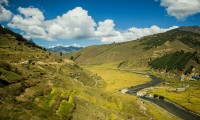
[(4, 2), (31, 21), (32, 12), (107, 33), (74, 45), (75, 24), (5, 15), (140, 32), (181, 9), (135, 33), (106, 28)]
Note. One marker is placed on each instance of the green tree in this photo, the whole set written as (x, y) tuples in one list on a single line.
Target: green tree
[(61, 53), (71, 58)]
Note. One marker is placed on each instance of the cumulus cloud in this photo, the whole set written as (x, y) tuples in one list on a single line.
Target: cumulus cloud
[(140, 32), (5, 15), (107, 33), (135, 33), (31, 21), (4, 2), (75, 24), (181, 9), (106, 29)]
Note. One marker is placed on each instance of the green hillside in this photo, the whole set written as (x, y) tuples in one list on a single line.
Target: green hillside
[(137, 54), (36, 84), (177, 61)]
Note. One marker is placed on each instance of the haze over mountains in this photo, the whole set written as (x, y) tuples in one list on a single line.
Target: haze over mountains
[(63, 49)]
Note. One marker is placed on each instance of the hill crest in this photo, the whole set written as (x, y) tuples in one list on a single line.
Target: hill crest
[(137, 53)]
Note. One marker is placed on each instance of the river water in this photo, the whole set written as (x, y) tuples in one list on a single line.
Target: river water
[(168, 106)]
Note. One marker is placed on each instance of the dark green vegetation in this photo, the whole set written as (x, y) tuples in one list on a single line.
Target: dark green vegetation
[(187, 35), (176, 61), (160, 51), (36, 84)]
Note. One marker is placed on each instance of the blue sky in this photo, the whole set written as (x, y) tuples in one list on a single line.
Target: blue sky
[(50, 23)]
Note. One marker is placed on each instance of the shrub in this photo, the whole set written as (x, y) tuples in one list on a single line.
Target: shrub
[(61, 53), (155, 96), (161, 97), (5, 65), (71, 58), (19, 43), (121, 63)]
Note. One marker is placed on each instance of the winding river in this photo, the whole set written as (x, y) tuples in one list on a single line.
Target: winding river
[(168, 106)]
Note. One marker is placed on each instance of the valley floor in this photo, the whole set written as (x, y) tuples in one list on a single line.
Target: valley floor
[(117, 80)]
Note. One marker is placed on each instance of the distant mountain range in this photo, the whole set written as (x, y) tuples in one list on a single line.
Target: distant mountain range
[(63, 49)]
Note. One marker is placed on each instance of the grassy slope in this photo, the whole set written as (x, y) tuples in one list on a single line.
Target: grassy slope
[(136, 54), (55, 88)]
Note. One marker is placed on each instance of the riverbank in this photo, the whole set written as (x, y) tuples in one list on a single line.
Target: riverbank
[(168, 106), (188, 99)]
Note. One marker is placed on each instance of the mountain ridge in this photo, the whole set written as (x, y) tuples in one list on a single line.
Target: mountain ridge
[(137, 53), (63, 49)]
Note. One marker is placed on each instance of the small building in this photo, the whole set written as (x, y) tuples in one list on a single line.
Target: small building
[(180, 89), (124, 90), (150, 95), (196, 77), (139, 93)]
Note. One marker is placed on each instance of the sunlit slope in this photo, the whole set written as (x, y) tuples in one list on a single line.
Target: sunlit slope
[(36, 84), (138, 53)]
